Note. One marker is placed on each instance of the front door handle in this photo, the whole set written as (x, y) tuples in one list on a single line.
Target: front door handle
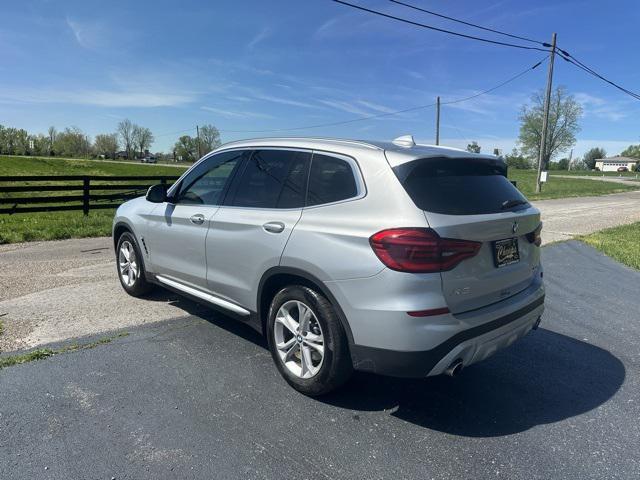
[(197, 219), (274, 227)]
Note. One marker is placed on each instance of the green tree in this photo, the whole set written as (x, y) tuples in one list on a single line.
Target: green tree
[(53, 134), (209, 138), (516, 160), (186, 148), (72, 142), (142, 139), (125, 131), (632, 151), (106, 144), (473, 147), (564, 116), (592, 155), (562, 164)]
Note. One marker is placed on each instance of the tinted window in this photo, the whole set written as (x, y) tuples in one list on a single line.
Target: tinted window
[(459, 186), (331, 180), (204, 185), (273, 179)]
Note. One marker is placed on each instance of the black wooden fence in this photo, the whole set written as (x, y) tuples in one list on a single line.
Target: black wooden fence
[(72, 192)]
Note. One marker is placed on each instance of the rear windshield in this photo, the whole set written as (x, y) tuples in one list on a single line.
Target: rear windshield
[(460, 186)]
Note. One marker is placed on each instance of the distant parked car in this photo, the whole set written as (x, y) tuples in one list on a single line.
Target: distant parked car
[(623, 169), (394, 258), (151, 159)]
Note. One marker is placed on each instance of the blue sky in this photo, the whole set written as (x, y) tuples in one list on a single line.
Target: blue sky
[(253, 65)]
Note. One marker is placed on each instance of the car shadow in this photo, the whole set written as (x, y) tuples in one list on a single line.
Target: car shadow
[(206, 312), (544, 378)]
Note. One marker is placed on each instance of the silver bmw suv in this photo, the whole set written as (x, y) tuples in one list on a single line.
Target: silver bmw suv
[(388, 257)]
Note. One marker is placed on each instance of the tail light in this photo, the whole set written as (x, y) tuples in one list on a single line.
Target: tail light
[(420, 250), (535, 237)]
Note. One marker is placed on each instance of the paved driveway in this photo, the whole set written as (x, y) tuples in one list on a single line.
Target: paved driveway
[(198, 397)]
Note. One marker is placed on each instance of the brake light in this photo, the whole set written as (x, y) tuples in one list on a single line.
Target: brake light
[(420, 250), (535, 237)]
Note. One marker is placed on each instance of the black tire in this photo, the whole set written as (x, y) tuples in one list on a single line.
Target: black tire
[(140, 286), (336, 367)]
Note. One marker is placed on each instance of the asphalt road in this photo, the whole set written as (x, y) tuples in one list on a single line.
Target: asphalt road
[(198, 397)]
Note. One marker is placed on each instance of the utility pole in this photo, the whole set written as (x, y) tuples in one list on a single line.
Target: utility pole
[(570, 159), (545, 117), (198, 134), (438, 121)]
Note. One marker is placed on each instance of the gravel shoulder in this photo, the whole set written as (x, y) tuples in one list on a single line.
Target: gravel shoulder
[(565, 218), (51, 291)]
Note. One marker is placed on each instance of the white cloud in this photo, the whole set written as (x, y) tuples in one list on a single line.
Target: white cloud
[(283, 101), (601, 108), (375, 106), (236, 113), (89, 35), (260, 37), (100, 98), (346, 107)]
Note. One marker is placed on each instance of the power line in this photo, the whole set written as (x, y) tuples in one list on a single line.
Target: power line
[(397, 112), (566, 56), (442, 30), (469, 23)]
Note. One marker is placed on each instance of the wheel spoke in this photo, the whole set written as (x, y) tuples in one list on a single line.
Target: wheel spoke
[(289, 323), (306, 361), (317, 344), (304, 313), (125, 252), (285, 346), (291, 352)]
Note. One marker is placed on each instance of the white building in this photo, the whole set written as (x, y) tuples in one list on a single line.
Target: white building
[(613, 163)]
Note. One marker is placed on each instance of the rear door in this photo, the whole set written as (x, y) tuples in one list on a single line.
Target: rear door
[(471, 199), (249, 232), (178, 228)]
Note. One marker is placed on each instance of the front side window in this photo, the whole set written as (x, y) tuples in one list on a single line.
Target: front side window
[(205, 184), (272, 179), (331, 180)]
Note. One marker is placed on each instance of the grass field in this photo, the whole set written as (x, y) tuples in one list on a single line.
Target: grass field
[(25, 227), (564, 187), (59, 166), (621, 243)]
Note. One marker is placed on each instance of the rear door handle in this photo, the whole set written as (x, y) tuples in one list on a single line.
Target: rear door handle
[(197, 219), (274, 227)]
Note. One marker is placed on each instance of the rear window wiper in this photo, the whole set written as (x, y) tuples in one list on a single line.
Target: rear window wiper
[(513, 203)]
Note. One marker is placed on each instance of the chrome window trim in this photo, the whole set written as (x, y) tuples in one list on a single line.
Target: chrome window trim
[(361, 186)]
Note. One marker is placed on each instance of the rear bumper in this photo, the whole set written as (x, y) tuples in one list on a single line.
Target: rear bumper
[(470, 345)]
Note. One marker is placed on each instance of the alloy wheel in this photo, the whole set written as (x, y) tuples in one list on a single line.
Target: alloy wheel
[(299, 339)]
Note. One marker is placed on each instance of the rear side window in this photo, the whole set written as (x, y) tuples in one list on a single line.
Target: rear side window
[(459, 186), (273, 179), (331, 180)]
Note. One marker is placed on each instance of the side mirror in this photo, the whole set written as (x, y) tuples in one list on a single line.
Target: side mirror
[(157, 194)]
